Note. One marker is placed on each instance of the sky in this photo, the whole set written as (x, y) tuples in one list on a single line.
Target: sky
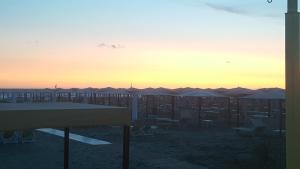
[(147, 43)]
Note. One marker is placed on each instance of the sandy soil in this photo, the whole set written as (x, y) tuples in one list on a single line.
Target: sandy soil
[(166, 149)]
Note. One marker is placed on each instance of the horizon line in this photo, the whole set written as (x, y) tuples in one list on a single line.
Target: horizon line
[(80, 88)]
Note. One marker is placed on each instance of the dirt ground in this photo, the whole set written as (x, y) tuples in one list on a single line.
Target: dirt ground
[(165, 149)]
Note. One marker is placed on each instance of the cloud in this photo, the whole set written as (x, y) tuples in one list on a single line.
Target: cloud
[(273, 15), (101, 45), (112, 46), (238, 11), (34, 43), (228, 9)]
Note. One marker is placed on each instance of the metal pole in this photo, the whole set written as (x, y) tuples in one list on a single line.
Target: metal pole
[(118, 100), (280, 117), (237, 112), (229, 112), (109, 99), (66, 149), (199, 111), (128, 101), (126, 135), (147, 106), (292, 56), (269, 108), (173, 107), (95, 98)]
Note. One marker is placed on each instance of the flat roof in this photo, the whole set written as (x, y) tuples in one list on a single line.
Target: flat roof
[(50, 115)]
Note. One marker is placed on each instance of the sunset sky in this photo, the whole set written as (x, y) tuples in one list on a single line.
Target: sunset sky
[(149, 43)]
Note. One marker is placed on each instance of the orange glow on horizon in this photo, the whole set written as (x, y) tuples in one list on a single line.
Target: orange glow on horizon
[(145, 67), (149, 44)]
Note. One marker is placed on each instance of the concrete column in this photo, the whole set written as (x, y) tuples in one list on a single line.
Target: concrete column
[(293, 85)]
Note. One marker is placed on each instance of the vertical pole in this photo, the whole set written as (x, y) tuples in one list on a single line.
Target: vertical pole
[(269, 108), (147, 106), (118, 100), (292, 56), (229, 112), (280, 117), (237, 112), (66, 149), (103, 98), (155, 103), (126, 135), (94, 98), (109, 99), (128, 101), (134, 107), (25, 96), (173, 107), (33, 97), (199, 111)]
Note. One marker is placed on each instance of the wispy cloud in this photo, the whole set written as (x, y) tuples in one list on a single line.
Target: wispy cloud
[(239, 11), (33, 42), (273, 15), (112, 46), (228, 9)]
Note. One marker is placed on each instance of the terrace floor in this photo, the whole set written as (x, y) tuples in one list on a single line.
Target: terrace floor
[(166, 149)]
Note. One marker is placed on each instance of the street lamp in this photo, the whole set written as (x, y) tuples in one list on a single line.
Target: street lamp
[(292, 72)]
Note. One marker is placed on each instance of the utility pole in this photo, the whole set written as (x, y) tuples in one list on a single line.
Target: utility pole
[(292, 61)]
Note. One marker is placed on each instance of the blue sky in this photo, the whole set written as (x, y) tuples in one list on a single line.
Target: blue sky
[(141, 19)]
